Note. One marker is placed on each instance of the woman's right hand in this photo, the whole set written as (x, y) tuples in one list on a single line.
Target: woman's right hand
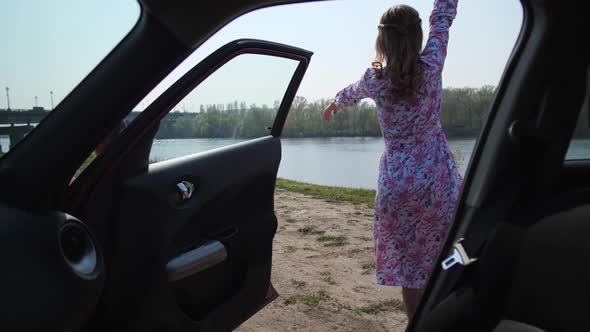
[(331, 109)]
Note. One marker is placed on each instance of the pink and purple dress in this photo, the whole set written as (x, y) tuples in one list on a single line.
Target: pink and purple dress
[(419, 182)]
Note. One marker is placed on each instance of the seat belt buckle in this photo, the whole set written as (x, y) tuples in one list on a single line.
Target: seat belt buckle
[(458, 256)]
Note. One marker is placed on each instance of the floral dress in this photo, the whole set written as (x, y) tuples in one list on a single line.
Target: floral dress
[(418, 182)]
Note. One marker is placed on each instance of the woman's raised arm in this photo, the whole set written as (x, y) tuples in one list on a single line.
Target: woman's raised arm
[(441, 19)]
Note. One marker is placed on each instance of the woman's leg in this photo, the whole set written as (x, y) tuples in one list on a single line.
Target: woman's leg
[(411, 298)]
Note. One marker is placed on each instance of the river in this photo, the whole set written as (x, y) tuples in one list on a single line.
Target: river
[(348, 162)]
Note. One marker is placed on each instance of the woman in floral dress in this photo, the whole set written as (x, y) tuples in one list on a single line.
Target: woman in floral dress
[(418, 182)]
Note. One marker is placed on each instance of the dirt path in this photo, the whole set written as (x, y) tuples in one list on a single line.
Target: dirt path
[(324, 270)]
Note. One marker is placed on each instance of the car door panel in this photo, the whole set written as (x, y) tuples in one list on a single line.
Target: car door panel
[(232, 204)]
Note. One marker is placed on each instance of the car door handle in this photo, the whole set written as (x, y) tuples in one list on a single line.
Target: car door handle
[(196, 260)]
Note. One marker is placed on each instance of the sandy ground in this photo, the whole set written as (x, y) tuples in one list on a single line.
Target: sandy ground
[(324, 272)]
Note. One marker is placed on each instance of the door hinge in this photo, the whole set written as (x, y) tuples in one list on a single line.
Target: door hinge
[(458, 256)]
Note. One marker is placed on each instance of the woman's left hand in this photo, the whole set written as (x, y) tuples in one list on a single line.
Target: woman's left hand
[(331, 109)]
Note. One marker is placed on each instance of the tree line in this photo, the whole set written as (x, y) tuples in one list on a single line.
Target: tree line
[(464, 111)]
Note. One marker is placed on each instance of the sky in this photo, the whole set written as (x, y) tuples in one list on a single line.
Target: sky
[(52, 46)]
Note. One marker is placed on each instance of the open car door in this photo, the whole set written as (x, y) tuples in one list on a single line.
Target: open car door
[(188, 241)]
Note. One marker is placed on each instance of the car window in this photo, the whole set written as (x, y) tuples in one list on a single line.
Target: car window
[(239, 101), (48, 47), (580, 145)]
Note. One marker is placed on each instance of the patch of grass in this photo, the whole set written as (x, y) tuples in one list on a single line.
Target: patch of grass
[(310, 230), (356, 196), (290, 249), (368, 267), (344, 306), (333, 240), (308, 299), (375, 308), (298, 284), (290, 300)]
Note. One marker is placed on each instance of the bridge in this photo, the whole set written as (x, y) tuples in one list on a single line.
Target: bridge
[(16, 124)]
